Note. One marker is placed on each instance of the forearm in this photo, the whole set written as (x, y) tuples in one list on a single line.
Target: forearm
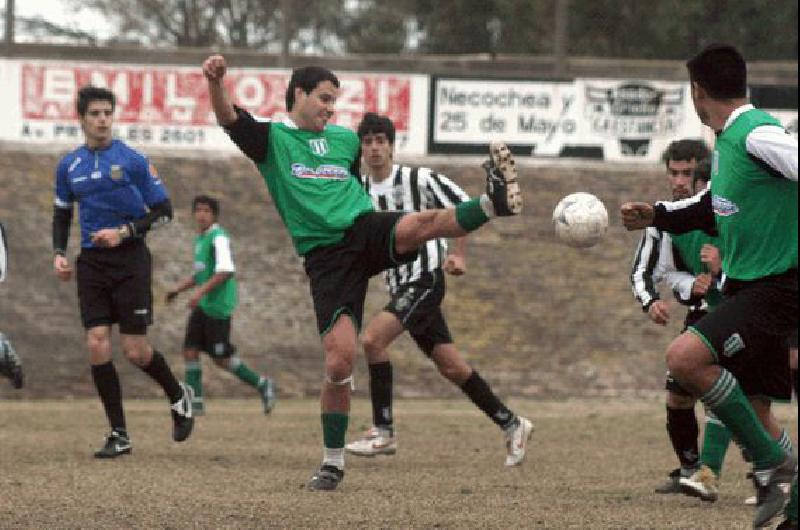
[(222, 106), (679, 217), (62, 219), (644, 269), (188, 283), (159, 214)]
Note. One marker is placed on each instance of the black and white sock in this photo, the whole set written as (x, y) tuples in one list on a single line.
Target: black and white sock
[(380, 391), (160, 372), (478, 391)]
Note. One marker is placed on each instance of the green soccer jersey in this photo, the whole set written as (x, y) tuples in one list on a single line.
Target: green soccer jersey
[(755, 210), (221, 301), (308, 176), (689, 245)]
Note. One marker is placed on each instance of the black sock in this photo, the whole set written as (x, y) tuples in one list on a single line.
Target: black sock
[(380, 391), (159, 370), (479, 392), (683, 430), (106, 381)]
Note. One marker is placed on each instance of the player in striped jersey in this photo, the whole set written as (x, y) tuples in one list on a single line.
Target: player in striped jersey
[(10, 365), (681, 158), (417, 290)]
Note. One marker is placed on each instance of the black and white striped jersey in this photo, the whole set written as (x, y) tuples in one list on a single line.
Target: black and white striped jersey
[(657, 259), (414, 189)]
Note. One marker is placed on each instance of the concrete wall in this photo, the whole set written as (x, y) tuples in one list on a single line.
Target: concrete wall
[(535, 317)]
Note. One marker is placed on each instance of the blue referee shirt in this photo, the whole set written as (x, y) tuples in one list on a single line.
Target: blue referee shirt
[(113, 186)]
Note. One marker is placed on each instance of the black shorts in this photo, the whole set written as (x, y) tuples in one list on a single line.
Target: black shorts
[(114, 286), (748, 333), (418, 306), (339, 273), (208, 334)]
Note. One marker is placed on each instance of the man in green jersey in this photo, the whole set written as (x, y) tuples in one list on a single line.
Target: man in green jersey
[(311, 169), (212, 305), (752, 204)]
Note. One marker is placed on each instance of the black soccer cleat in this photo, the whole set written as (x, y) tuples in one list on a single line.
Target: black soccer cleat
[(326, 478), (182, 418), (10, 363), (502, 186), (771, 496), (117, 444)]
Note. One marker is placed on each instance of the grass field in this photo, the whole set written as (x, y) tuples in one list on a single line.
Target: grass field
[(592, 464)]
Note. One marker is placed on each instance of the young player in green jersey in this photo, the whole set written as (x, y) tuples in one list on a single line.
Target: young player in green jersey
[(212, 305), (311, 170), (752, 203)]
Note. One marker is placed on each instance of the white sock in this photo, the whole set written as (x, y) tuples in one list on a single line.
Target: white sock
[(333, 457), (487, 206)]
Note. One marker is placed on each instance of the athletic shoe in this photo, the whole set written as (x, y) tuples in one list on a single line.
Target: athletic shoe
[(502, 186), (771, 494), (517, 439), (117, 444), (753, 499), (182, 419), (672, 485), (269, 394), (787, 524), (10, 364), (326, 478), (703, 483), (374, 442)]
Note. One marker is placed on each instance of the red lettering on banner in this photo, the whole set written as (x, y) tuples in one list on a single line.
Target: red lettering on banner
[(161, 96)]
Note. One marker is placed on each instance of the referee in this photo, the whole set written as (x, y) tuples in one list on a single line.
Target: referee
[(120, 198)]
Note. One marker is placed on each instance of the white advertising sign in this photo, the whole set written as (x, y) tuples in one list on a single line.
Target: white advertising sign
[(168, 106), (611, 119)]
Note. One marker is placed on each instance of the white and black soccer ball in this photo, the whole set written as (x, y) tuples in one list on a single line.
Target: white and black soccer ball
[(580, 220)]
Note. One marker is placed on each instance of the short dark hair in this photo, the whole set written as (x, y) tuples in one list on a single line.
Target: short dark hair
[(307, 78), (91, 93), (685, 150), (211, 202), (372, 123), (702, 171), (720, 70)]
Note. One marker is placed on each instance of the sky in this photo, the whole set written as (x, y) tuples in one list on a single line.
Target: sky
[(59, 11)]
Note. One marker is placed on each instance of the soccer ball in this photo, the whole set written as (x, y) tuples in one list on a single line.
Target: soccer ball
[(580, 220)]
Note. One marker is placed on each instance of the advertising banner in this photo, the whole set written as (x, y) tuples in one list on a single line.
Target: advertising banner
[(168, 106), (619, 120)]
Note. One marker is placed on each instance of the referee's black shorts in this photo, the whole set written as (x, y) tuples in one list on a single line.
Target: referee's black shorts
[(418, 307), (748, 333), (114, 287)]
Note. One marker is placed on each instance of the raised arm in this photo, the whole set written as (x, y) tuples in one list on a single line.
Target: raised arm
[(249, 135), (214, 69)]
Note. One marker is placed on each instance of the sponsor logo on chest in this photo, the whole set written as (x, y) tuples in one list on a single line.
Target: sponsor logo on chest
[(318, 146), (723, 207)]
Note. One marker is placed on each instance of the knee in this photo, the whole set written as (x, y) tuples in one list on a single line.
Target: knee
[(224, 363), (372, 344), (191, 355), (99, 345), (681, 359), (339, 364)]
